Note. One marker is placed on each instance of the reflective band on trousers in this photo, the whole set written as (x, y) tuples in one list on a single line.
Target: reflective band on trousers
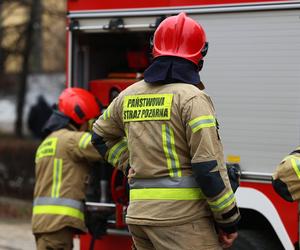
[(200, 122), (166, 188), (59, 206)]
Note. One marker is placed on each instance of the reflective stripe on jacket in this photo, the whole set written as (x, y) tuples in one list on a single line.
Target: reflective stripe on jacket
[(59, 206), (165, 188)]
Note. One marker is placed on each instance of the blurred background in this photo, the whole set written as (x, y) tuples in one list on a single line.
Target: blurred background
[(32, 74)]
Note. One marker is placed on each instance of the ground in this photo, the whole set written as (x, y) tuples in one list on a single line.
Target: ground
[(15, 225), (16, 234)]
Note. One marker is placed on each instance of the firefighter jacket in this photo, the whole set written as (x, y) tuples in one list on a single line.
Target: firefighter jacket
[(286, 178), (62, 167), (170, 131)]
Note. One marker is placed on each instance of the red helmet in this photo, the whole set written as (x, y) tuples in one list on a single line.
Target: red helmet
[(180, 36), (78, 104)]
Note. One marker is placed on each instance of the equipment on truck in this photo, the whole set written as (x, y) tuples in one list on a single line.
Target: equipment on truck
[(107, 89)]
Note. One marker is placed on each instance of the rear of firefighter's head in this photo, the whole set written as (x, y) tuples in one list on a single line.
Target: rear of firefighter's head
[(180, 36), (79, 105)]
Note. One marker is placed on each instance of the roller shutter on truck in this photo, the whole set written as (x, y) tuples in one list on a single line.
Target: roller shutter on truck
[(252, 72)]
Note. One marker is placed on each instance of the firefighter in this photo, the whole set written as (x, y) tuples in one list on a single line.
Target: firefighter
[(62, 166), (286, 177), (180, 193)]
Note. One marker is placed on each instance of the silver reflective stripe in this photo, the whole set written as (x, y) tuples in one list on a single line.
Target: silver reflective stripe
[(57, 175), (204, 121), (175, 165), (164, 182), (116, 151), (85, 140), (59, 201)]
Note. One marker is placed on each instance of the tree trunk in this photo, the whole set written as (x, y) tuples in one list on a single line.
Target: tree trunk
[(36, 60), (2, 57), (35, 8)]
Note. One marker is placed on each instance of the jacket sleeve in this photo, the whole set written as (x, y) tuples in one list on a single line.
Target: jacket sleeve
[(286, 177), (109, 137), (207, 161), (80, 147)]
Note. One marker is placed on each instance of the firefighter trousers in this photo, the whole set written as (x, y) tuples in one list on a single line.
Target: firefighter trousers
[(196, 235), (58, 240)]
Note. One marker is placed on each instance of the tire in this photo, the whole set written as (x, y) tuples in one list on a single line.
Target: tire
[(256, 240)]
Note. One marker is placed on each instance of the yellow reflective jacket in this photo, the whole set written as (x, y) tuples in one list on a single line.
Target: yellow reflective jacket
[(61, 172), (167, 128)]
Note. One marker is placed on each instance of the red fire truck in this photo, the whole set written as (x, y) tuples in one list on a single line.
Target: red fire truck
[(251, 72)]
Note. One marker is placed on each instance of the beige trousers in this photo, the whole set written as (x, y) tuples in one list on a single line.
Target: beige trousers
[(59, 240), (197, 235)]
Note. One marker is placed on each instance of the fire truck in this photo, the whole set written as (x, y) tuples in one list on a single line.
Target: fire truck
[(251, 72)]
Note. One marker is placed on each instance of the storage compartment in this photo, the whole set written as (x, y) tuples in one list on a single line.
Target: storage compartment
[(108, 62)]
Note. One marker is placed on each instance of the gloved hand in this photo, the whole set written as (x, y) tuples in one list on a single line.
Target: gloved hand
[(95, 223), (282, 189), (234, 174)]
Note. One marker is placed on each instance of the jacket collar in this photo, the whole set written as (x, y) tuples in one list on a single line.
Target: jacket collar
[(171, 69)]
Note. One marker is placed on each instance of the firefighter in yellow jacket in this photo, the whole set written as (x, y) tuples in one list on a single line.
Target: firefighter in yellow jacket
[(179, 186), (62, 167), (286, 178)]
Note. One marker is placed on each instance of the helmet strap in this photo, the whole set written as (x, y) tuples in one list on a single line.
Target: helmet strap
[(75, 124), (200, 65), (204, 50)]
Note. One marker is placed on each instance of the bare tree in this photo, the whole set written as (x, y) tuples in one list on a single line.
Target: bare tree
[(28, 47), (2, 55), (13, 26), (31, 41)]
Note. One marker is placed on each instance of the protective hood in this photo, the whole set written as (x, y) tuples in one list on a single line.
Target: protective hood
[(56, 121), (171, 69)]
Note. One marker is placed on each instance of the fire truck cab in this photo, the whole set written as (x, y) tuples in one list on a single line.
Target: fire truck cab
[(251, 72)]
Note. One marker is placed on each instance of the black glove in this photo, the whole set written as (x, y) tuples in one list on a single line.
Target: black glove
[(281, 188), (234, 174), (96, 223)]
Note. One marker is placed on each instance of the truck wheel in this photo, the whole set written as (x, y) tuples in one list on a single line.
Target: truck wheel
[(256, 239)]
